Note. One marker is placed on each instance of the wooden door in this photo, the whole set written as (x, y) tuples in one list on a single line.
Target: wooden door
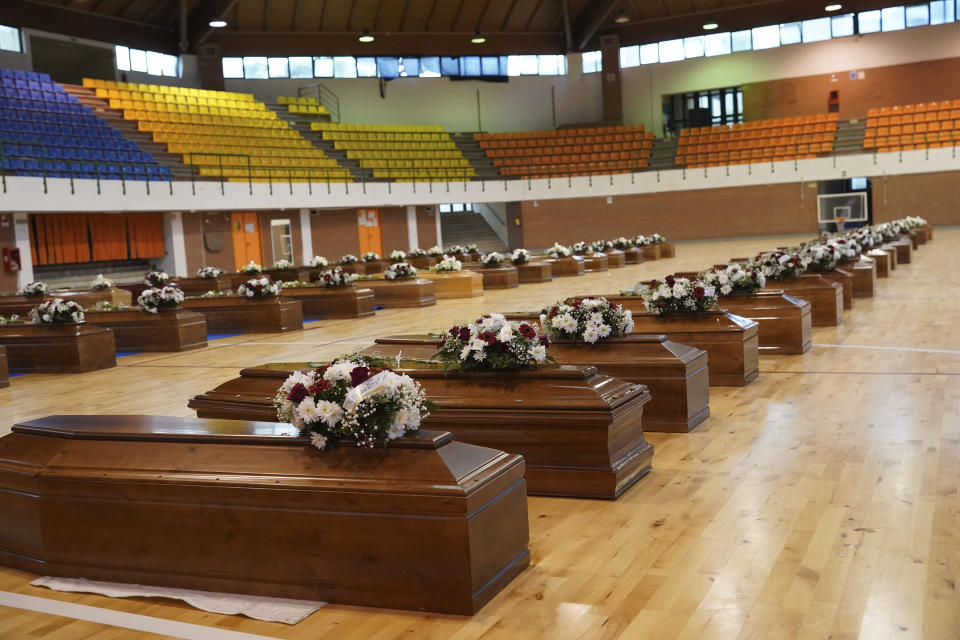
[(368, 228), (246, 238)]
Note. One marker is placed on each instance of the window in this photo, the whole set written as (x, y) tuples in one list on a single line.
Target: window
[(278, 67), (455, 207), (366, 68), (590, 61), (409, 67), (693, 47), (344, 67), (766, 37), (917, 15), (790, 32), (818, 29), (232, 67), (150, 62), (323, 67), (553, 65), (716, 44), (869, 21), (841, 26), (281, 240), (301, 67), (10, 39), (941, 11), (430, 67), (724, 106), (255, 67), (741, 41), (892, 18), (629, 57), (649, 53), (523, 66), (671, 50)]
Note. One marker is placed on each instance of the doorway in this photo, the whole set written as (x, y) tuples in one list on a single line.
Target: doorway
[(246, 238), (368, 228)]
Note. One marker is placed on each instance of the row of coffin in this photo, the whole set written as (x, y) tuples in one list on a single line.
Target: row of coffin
[(431, 522)]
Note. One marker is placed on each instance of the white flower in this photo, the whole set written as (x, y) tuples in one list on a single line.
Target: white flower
[(603, 329), (538, 353), (479, 355), (395, 431), (407, 420), (590, 334), (726, 289), (596, 317), (319, 441), (565, 322), (389, 275), (307, 410), (478, 345), (306, 379), (465, 352), (47, 317), (330, 412), (627, 321), (339, 372), (505, 334)]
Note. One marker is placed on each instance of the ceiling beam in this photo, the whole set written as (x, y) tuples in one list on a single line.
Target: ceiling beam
[(536, 10), (567, 33), (407, 43), (85, 24), (593, 16), (506, 18)]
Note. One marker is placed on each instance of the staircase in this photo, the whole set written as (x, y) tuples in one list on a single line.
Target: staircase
[(662, 154), (477, 157), (114, 117), (301, 122), (469, 227), (849, 136)]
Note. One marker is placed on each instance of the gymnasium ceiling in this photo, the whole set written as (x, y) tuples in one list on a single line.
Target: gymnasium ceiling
[(401, 27)]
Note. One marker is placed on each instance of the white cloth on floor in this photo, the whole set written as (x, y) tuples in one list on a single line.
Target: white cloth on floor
[(259, 608)]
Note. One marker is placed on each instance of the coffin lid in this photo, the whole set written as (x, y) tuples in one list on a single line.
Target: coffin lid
[(736, 323)]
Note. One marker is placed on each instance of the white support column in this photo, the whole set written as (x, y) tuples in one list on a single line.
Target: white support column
[(412, 239), (175, 260), (436, 217), (21, 238), (306, 236)]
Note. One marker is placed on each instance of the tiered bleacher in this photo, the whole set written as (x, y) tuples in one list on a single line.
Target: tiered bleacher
[(305, 106), (223, 134), (45, 131), (399, 152), (568, 152), (925, 125), (770, 140)]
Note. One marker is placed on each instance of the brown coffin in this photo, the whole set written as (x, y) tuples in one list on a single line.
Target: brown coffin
[(676, 374), (455, 284), (929, 229), (502, 276), (251, 315), (4, 368), (634, 255), (134, 288), (199, 286), (785, 322), (841, 277), (904, 250), (236, 279), (882, 261), (423, 262), (579, 432), (364, 268), (248, 507), (538, 271), (891, 251), (615, 258), (914, 237), (864, 272), (825, 297), (333, 302), (595, 262), (21, 305), (402, 293), (563, 267), (166, 330), (667, 250), (651, 251), (296, 274), (730, 340), (58, 348)]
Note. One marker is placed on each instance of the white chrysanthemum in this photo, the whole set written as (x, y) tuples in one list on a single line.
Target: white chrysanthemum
[(566, 322), (591, 334), (319, 441), (477, 344), (339, 372), (329, 412), (479, 355), (627, 321), (395, 431), (596, 317), (603, 329), (307, 410), (538, 353), (505, 334), (663, 291), (726, 289), (465, 352), (407, 419)]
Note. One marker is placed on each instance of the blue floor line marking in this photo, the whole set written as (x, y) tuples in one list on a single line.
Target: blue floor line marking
[(17, 375), (217, 336), (121, 354)]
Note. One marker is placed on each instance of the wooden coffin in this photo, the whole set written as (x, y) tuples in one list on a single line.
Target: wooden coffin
[(333, 302), (929, 229), (58, 348), (423, 262), (593, 262), (166, 330), (249, 315), (455, 284), (634, 255), (914, 237), (651, 251), (89, 297), (904, 250), (19, 305), (579, 432), (402, 293), (891, 251), (199, 286), (864, 272), (676, 374), (531, 272), (882, 261), (134, 288), (564, 267), (4, 368), (919, 235), (249, 507), (844, 278), (667, 250), (785, 322), (502, 276), (825, 297), (295, 274), (615, 258), (730, 340), (236, 279)]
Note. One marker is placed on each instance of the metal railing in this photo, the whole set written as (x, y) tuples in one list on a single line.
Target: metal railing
[(324, 96)]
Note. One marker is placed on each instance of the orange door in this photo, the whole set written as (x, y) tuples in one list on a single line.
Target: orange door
[(368, 228), (246, 238)]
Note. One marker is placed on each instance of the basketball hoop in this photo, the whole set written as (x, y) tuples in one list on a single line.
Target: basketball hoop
[(840, 220)]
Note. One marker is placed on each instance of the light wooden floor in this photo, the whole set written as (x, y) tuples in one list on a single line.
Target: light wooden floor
[(820, 501)]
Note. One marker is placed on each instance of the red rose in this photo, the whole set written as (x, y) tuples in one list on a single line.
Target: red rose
[(670, 280), (326, 277), (654, 284), (454, 331), (298, 393), (487, 337), (320, 385), (544, 340), (358, 375), (661, 304), (698, 292), (527, 331), (464, 333)]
